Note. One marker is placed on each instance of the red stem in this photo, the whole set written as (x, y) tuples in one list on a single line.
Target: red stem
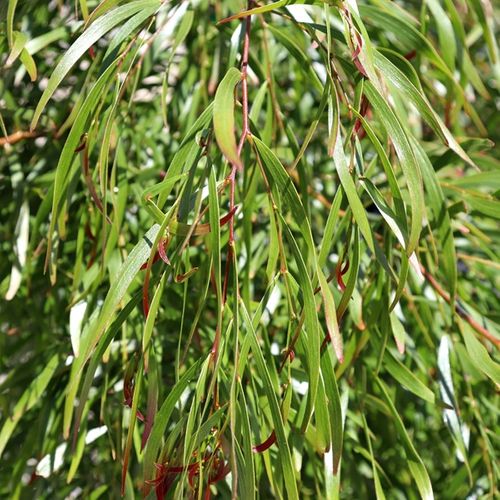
[(246, 129), (459, 310), (260, 448), (232, 176)]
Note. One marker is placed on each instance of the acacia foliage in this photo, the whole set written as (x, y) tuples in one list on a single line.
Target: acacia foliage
[(249, 253)]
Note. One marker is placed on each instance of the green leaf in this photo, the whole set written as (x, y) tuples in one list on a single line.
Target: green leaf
[(415, 464), (67, 155), (296, 51), (19, 42), (483, 180), (126, 275), (215, 244), (398, 331), (97, 327), (103, 7), (392, 19), (358, 211), (485, 14), (328, 233), (386, 212), (162, 418), (354, 262), (446, 33), (389, 171), (186, 155), (491, 208), (312, 344), (441, 222), (20, 251), (262, 9), (336, 415), (478, 354), (151, 318), (246, 467), (84, 8), (30, 398), (283, 186), (224, 128), (279, 427), (407, 378), (160, 187), (38, 43), (410, 93), (133, 418), (97, 355), (282, 182), (90, 36), (409, 164), (129, 27), (399, 230), (331, 317), (11, 10), (378, 487), (29, 64)]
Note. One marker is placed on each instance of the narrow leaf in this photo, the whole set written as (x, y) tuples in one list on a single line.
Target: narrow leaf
[(224, 128), (90, 36), (415, 464), (30, 398)]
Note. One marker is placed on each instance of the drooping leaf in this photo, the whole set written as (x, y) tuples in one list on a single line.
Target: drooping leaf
[(415, 464), (97, 327), (284, 450), (224, 127), (90, 36), (30, 398), (479, 355)]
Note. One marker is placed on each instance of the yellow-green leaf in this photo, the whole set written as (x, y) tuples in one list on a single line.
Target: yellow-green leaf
[(224, 127)]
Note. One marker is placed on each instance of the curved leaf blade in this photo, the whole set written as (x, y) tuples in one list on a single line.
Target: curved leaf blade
[(90, 36), (224, 127)]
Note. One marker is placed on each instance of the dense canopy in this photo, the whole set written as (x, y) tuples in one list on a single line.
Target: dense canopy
[(249, 250)]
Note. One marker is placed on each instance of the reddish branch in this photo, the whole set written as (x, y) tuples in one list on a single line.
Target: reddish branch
[(459, 310), (160, 253), (363, 111), (83, 148), (432, 281), (216, 470), (339, 273), (128, 394), (260, 448), (246, 129), (145, 292), (234, 168), (359, 43)]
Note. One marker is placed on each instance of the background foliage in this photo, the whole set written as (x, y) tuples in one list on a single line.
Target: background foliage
[(363, 207)]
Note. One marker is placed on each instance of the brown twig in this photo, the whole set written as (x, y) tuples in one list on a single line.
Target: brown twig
[(18, 136), (459, 310)]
